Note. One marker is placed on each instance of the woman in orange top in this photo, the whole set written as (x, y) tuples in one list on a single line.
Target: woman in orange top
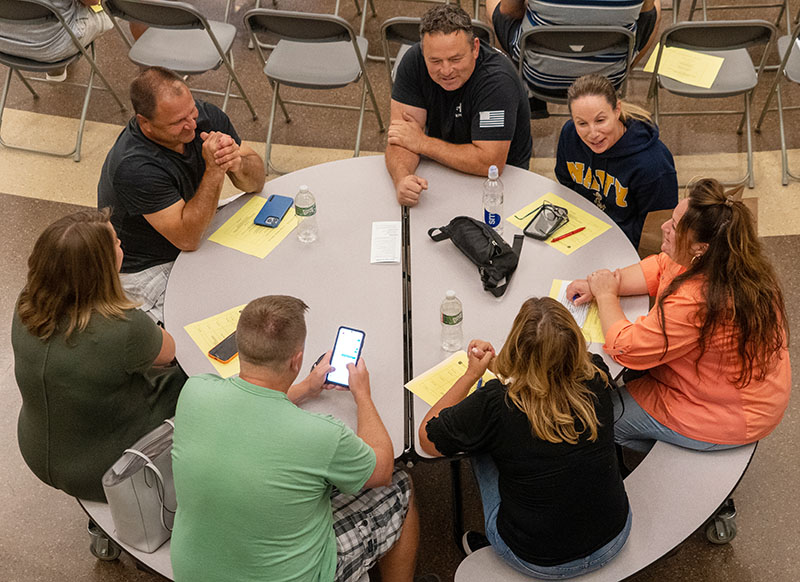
[(714, 347)]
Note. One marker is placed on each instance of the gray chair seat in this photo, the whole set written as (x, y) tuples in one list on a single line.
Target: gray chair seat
[(319, 65), (400, 54), (736, 76), (184, 51), (24, 64), (792, 70)]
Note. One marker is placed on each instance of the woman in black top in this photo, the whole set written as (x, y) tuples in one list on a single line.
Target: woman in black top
[(542, 440)]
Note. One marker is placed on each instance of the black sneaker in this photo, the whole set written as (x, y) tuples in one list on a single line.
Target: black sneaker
[(538, 108), (473, 541)]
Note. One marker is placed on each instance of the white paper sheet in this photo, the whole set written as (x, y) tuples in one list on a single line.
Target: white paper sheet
[(385, 242), (579, 312)]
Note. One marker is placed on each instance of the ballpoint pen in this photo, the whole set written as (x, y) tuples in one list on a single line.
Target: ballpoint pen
[(563, 236)]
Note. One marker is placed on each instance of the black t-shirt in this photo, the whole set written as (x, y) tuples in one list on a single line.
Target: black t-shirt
[(142, 177), (559, 502), (491, 106)]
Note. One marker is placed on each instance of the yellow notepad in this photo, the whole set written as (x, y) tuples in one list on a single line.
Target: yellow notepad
[(208, 332), (689, 67), (241, 234), (433, 384), (592, 227), (590, 326)]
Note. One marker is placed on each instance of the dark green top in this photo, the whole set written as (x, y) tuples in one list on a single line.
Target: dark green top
[(87, 399)]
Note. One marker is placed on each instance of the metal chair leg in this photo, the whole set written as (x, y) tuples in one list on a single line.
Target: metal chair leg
[(361, 118), (26, 83), (228, 60), (784, 153)]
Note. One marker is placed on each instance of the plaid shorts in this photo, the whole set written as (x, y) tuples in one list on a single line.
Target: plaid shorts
[(148, 288), (368, 524)]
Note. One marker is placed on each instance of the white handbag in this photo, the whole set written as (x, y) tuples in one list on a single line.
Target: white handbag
[(140, 490)]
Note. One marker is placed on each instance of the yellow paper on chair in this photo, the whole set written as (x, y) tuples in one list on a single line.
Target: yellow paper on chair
[(433, 384), (240, 233), (689, 67), (587, 316), (208, 332), (592, 227)]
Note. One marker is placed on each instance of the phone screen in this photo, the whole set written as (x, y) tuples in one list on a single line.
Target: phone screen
[(346, 350), (225, 350)]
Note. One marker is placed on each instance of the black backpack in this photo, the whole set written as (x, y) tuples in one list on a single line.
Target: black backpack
[(496, 260)]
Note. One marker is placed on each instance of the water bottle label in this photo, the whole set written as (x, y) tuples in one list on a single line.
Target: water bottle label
[(492, 220), (452, 319), (307, 211)]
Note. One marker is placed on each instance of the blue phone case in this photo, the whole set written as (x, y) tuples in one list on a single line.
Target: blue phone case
[(273, 211)]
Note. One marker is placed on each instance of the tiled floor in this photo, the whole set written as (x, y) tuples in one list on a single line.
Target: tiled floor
[(42, 531)]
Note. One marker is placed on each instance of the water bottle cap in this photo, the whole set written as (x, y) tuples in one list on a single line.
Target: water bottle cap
[(303, 188), (450, 294), (493, 173)]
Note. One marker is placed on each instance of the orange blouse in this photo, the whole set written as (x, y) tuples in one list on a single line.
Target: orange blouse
[(695, 398)]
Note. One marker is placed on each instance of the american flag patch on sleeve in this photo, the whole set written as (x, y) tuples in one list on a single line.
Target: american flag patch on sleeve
[(492, 118)]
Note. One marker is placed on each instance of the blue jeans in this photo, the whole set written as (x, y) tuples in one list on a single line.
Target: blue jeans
[(635, 429), (487, 476)]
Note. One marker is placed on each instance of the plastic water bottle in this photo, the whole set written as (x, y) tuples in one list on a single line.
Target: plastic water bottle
[(451, 315), (493, 201), (306, 208)]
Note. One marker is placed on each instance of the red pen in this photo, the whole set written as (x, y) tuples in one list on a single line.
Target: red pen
[(563, 236)]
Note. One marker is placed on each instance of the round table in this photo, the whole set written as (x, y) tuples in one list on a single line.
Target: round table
[(335, 278)]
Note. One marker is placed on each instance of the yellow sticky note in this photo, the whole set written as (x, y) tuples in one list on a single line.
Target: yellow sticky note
[(587, 316), (592, 227), (241, 234), (689, 67), (208, 332), (433, 384)]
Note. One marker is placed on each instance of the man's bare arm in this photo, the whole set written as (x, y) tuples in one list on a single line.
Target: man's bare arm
[(251, 175), (470, 158), (402, 163), (184, 223), (513, 8)]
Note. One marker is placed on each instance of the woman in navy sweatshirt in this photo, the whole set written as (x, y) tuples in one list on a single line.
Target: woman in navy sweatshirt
[(609, 153)]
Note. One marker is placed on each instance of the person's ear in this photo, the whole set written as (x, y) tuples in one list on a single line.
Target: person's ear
[(476, 46), (698, 249), (144, 123), (296, 362)]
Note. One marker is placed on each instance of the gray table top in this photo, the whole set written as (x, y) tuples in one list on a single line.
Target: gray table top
[(437, 267), (333, 276)]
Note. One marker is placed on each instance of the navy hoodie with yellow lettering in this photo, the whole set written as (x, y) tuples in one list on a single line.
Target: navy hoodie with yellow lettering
[(631, 178)]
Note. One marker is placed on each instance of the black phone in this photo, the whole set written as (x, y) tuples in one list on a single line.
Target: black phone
[(225, 350), (547, 219), (346, 350)]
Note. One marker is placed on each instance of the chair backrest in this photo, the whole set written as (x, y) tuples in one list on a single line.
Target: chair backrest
[(157, 13), (24, 10), (299, 26), (718, 34), (405, 30), (577, 42)]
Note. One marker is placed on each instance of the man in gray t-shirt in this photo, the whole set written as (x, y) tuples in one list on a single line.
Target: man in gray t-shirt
[(47, 40)]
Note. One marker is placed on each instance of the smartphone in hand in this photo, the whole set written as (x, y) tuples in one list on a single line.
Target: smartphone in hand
[(346, 350)]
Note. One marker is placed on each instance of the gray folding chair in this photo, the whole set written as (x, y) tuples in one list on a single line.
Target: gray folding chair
[(23, 11), (405, 31), (790, 70), (579, 47), (729, 39), (315, 51), (782, 5), (181, 39)]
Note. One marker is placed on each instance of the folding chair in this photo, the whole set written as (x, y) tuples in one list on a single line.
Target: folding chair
[(181, 39), (315, 51), (783, 6), (729, 39), (583, 49), (405, 31), (23, 11), (790, 70)]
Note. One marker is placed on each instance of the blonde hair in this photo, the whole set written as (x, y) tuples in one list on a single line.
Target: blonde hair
[(597, 85), (545, 366)]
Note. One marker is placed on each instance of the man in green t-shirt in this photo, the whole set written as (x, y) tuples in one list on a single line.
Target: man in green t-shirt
[(267, 491)]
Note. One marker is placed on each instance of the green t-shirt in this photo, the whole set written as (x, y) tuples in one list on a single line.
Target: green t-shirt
[(253, 478), (86, 399)]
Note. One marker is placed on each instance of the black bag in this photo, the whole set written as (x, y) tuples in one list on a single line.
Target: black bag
[(496, 260)]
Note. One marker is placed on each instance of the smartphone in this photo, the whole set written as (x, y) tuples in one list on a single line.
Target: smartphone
[(225, 350), (346, 350), (273, 211), (548, 219)]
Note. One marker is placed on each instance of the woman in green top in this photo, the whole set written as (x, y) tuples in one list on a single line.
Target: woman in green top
[(94, 372)]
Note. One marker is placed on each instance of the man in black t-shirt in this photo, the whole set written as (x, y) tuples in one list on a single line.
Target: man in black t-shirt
[(163, 177), (456, 101)]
